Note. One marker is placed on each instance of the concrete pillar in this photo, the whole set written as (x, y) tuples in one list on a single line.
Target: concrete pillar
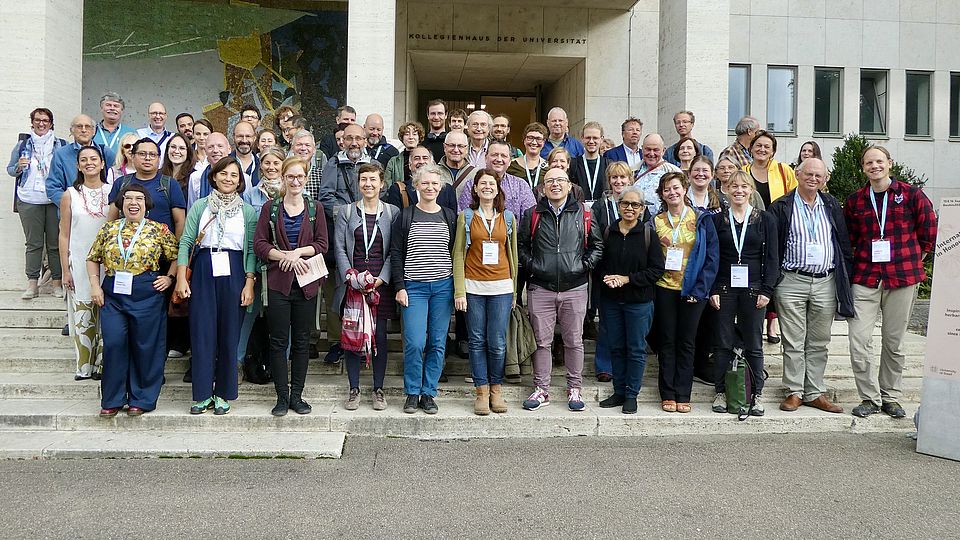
[(371, 44), (693, 67), (42, 68)]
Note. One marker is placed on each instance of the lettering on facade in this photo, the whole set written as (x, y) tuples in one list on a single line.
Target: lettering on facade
[(500, 39)]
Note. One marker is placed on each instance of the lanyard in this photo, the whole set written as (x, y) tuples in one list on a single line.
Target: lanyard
[(125, 252), (112, 140), (706, 199), (591, 180), (379, 149), (526, 168), (613, 208), (743, 232), (369, 238), (881, 220), (810, 217), (676, 228), (483, 218)]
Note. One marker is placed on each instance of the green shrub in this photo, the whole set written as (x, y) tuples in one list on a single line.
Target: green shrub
[(846, 174)]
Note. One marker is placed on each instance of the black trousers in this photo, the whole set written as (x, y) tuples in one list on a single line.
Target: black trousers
[(290, 319), (676, 326), (739, 318)]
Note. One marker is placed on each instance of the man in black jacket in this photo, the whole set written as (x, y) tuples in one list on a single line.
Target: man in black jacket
[(557, 249), (816, 258)]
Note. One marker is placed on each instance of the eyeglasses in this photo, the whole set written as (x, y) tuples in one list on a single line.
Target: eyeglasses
[(457, 146), (158, 114), (631, 204), (134, 198), (83, 126), (249, 117), (41, 120), (147, 155), (294, 177), (555, 181), (533, 139)]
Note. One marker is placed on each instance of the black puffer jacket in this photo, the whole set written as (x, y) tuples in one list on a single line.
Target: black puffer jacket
[(556, 257)]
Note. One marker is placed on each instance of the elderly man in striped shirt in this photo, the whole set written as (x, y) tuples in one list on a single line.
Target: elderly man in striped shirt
[(815, 258)]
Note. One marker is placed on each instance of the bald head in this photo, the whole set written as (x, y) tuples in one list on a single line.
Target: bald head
[(811, 176), (216, 147), (557, 123), (652, 149), (243, 137), (158, 116), (354, 141), (373, 126), (82, 128), (454, 148)]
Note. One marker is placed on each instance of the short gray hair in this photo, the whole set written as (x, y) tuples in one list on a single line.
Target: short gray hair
[(429, 168), (632, 189), (746, 124), (113, 96), (301, 134)]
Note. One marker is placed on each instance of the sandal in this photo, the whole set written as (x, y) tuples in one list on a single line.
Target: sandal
[(668, 405), (683, 407)]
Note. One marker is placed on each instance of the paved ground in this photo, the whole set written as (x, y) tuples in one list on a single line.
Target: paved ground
[(919, 317), (796, 486)]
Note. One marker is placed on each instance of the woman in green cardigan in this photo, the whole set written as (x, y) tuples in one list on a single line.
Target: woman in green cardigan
[(217, 244), (485, 284)]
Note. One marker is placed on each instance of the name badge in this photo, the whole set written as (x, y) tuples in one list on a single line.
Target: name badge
[(815, 255), (588, 204), (491, 252), (739, 276), (674, 258), (881, 251), (220, 261), (123, 283)]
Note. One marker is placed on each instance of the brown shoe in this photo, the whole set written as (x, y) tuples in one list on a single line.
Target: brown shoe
[(824, 404), (497, 403), (791, 404)]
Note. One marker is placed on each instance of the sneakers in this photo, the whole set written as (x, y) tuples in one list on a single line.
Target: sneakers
[(865, 409), (539, 398), (720, 403), (220, 406), (411, 404), (379, 401), (32, 292), (334, 355), (428, 405), (757, 409), (353, 401), (575, 400), (615, 400), (57, 292), (174, 354), (893, 409), (200, 407)]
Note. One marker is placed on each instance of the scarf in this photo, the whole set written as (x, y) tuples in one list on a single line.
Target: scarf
[(223, 207), (360, 314), (42, 151), (270, 187)]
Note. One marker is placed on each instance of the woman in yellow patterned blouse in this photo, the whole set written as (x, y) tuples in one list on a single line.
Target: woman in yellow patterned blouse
[(131, 301)]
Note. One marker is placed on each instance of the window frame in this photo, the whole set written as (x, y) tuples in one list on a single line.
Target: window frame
[(885, 118), (748, 69), (929, 134), (796, 82), (953, 108), (839, 131)]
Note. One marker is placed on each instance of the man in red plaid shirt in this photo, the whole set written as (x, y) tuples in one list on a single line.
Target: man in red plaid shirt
[(892, 226)]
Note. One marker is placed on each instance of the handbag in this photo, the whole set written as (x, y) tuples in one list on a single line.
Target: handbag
[(176, 298)]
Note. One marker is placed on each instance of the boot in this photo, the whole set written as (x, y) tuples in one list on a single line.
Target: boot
[(283, 403), (497, 403), (32, 291), (481, 406), (297, 403)]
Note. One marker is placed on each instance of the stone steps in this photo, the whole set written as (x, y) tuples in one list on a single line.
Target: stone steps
[(455, 420)]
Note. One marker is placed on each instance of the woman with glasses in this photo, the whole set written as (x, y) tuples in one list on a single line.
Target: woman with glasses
[(631, 264), (131, 302), (530, 166), (690, 251), (290, 231), (411, 135), (217, 243)]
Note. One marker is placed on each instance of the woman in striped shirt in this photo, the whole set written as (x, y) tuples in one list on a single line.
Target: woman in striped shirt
[(422, 273)]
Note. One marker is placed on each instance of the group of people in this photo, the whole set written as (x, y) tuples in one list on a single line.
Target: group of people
[(639, 246)]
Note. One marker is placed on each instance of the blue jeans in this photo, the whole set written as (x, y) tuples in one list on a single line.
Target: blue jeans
[(627, 327), (601, 356), (426, 323), (487, 319)]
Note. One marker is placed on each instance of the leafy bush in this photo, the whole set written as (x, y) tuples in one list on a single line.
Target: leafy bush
[(846, 175)]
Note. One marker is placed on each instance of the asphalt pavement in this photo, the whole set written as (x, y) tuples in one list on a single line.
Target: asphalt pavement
[(770, 486)]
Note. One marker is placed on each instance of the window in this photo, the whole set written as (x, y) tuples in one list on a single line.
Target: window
[(781, 99), (739, 95), (828, 95), (955, 104), (917, 122), (873, 102)]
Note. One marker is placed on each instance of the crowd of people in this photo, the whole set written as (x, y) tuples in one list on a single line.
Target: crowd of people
[(174, 242)]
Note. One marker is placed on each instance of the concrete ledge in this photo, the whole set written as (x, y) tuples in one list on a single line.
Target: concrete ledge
[(158, 444)]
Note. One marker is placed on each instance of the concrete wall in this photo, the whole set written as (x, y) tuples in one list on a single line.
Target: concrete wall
[(898, 35), (567, 93), (43, 40), (143, 81)]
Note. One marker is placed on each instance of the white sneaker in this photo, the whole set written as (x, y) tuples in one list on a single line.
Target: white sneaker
[(174, 354), (757, 409), (720, 403), (539, 398), (30, 293)]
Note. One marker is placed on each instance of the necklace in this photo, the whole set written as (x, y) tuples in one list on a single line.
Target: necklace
[(94, 201)]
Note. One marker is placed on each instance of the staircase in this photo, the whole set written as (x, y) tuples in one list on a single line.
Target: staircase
[(44, 413)]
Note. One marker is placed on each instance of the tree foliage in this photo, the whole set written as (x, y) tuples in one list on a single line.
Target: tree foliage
[(846, 175)]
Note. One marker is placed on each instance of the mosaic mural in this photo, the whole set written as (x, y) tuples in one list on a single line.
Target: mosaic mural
[(274, 53)]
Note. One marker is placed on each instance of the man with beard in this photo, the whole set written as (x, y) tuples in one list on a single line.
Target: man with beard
[(377, 145), (500, 132), (184, 123), (437, 120), (244, 136)]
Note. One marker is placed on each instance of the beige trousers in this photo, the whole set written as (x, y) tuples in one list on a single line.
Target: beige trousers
[(879, 382)]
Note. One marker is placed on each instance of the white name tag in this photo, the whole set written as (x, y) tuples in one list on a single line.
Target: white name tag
[(739, 276), (123, 283), (220, 261), (491, 252), (674, 258), (815, 255), (881, 251)]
